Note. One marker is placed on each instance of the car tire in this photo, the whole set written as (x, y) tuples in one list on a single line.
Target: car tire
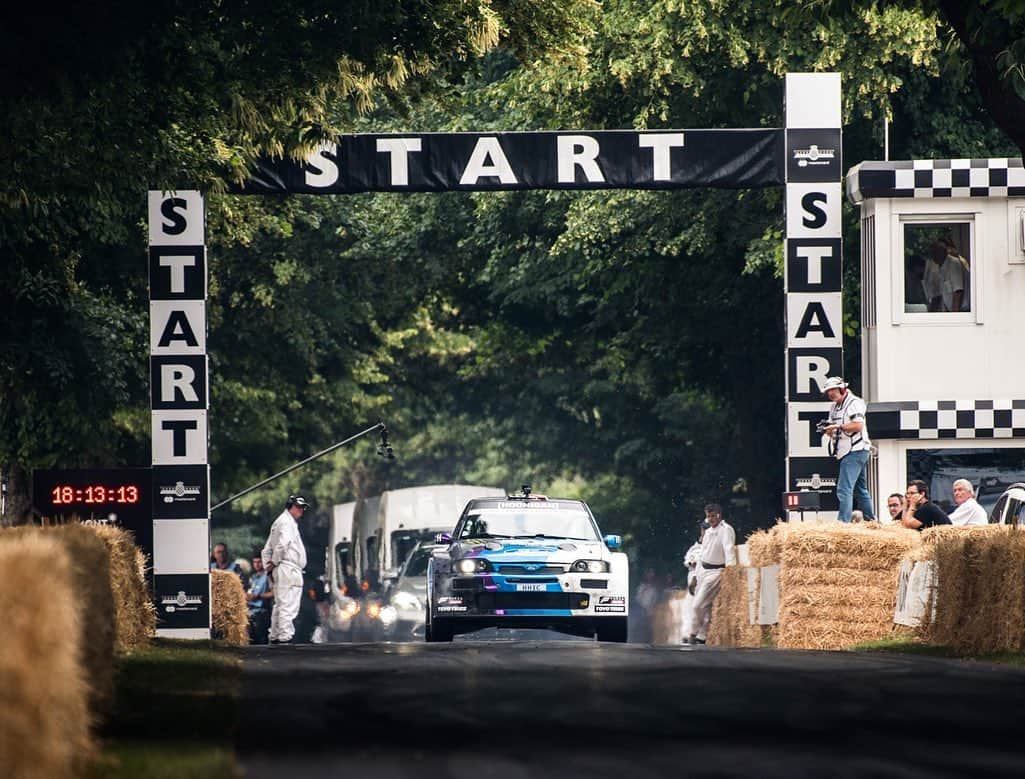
[(439, 631), (612, 629)]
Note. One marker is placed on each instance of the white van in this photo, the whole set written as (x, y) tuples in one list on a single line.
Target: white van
[(340, 564), (416, 514)]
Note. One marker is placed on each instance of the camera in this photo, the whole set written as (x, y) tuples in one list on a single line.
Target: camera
[(821, 425)]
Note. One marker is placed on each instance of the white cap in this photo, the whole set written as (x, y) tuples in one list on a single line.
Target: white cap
[(833, 382)]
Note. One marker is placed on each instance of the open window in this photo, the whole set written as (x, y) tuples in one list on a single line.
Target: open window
[(939, 266)]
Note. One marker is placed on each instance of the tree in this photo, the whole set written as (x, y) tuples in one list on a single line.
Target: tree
[(102, 102)]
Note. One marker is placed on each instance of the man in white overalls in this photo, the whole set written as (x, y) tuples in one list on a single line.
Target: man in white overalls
[(284, 558)]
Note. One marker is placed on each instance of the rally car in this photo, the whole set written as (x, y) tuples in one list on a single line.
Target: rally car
[(525, 561)]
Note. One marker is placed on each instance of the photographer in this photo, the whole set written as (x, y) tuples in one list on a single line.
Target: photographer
[(847, 431)]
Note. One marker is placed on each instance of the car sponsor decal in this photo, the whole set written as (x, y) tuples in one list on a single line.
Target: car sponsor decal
[(531, 587), (519, 504), (610, 609), (611, 600), (451, 608), (450, 601)]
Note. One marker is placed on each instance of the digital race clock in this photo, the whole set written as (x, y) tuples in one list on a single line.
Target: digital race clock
[(120, 496)]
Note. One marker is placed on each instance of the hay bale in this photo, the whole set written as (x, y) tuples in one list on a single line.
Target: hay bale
[(133, 605), (90, 569), (838, 582), (980, 591), (765, 547), (230, 610), (44, 720), (731, 623)]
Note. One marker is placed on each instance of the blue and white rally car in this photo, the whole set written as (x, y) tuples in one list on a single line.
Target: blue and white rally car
[(525, 561)]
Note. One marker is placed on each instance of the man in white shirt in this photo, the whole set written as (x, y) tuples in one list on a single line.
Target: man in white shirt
[(848, 442), (968, 511), (284, 558), (718, 549), (944, 280)]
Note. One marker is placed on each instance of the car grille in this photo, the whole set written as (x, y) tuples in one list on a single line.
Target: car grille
[(530, 569), (489, 601), (594, 584)]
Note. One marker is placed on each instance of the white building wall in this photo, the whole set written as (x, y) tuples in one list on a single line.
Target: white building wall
[(966, 356)]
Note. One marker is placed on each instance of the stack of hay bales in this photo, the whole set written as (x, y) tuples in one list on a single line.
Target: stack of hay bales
[(44, 720), (838, 582), (135, 615), (731, 618), (230, 616), (980, 588), (90, 569)]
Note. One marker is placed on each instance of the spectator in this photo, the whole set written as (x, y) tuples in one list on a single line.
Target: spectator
[(895, 505), (691, 561), (953, 254), (717, 551), (284, 557), (847, 430), (260, 595), (968, 511), (944, 280), (919, 511), (222, 562)]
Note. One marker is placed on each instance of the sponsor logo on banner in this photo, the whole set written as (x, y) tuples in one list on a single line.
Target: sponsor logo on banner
[(181, 492), (813, 155), (804, 470), (181, 602)]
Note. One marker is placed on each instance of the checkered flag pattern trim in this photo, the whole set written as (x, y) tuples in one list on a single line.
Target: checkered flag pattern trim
[(997, 177), (924, 420)]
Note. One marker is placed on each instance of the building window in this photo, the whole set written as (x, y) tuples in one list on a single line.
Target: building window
[(938, 267), (990, 470)]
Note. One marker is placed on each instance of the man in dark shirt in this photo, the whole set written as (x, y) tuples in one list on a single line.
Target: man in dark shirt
[(919, 511)]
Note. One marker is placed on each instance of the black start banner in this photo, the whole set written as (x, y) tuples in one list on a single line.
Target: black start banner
[(610, 159)]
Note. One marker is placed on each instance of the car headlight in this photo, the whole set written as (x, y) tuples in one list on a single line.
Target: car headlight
[(351, 609), (590, 566), (406, 601), (388, 616), (471, 565)]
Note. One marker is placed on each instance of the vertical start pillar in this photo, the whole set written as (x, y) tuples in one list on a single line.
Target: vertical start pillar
[(813, 275), (179, 401)]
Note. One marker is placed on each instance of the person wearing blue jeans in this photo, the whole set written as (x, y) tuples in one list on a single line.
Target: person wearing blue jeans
[(849, 443)]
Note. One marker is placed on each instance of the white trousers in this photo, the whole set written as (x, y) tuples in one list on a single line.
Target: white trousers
[(288, 593), (704, 597)]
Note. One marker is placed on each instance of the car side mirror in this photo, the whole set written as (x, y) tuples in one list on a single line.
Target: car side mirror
[(443, 538), (613, 542)]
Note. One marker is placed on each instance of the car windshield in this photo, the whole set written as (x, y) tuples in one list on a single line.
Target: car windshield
[(417, 565), (555, 522)]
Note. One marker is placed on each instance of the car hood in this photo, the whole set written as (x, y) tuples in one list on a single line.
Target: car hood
[(522, 549), (414, 585)]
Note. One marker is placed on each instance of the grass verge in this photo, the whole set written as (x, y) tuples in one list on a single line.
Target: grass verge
[(175, 713), (908, 645)]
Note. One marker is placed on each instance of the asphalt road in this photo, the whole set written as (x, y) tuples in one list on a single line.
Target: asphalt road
[(576, 708)]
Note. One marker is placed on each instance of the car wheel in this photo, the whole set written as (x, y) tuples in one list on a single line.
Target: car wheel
[(612, 629), (440, 631)]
